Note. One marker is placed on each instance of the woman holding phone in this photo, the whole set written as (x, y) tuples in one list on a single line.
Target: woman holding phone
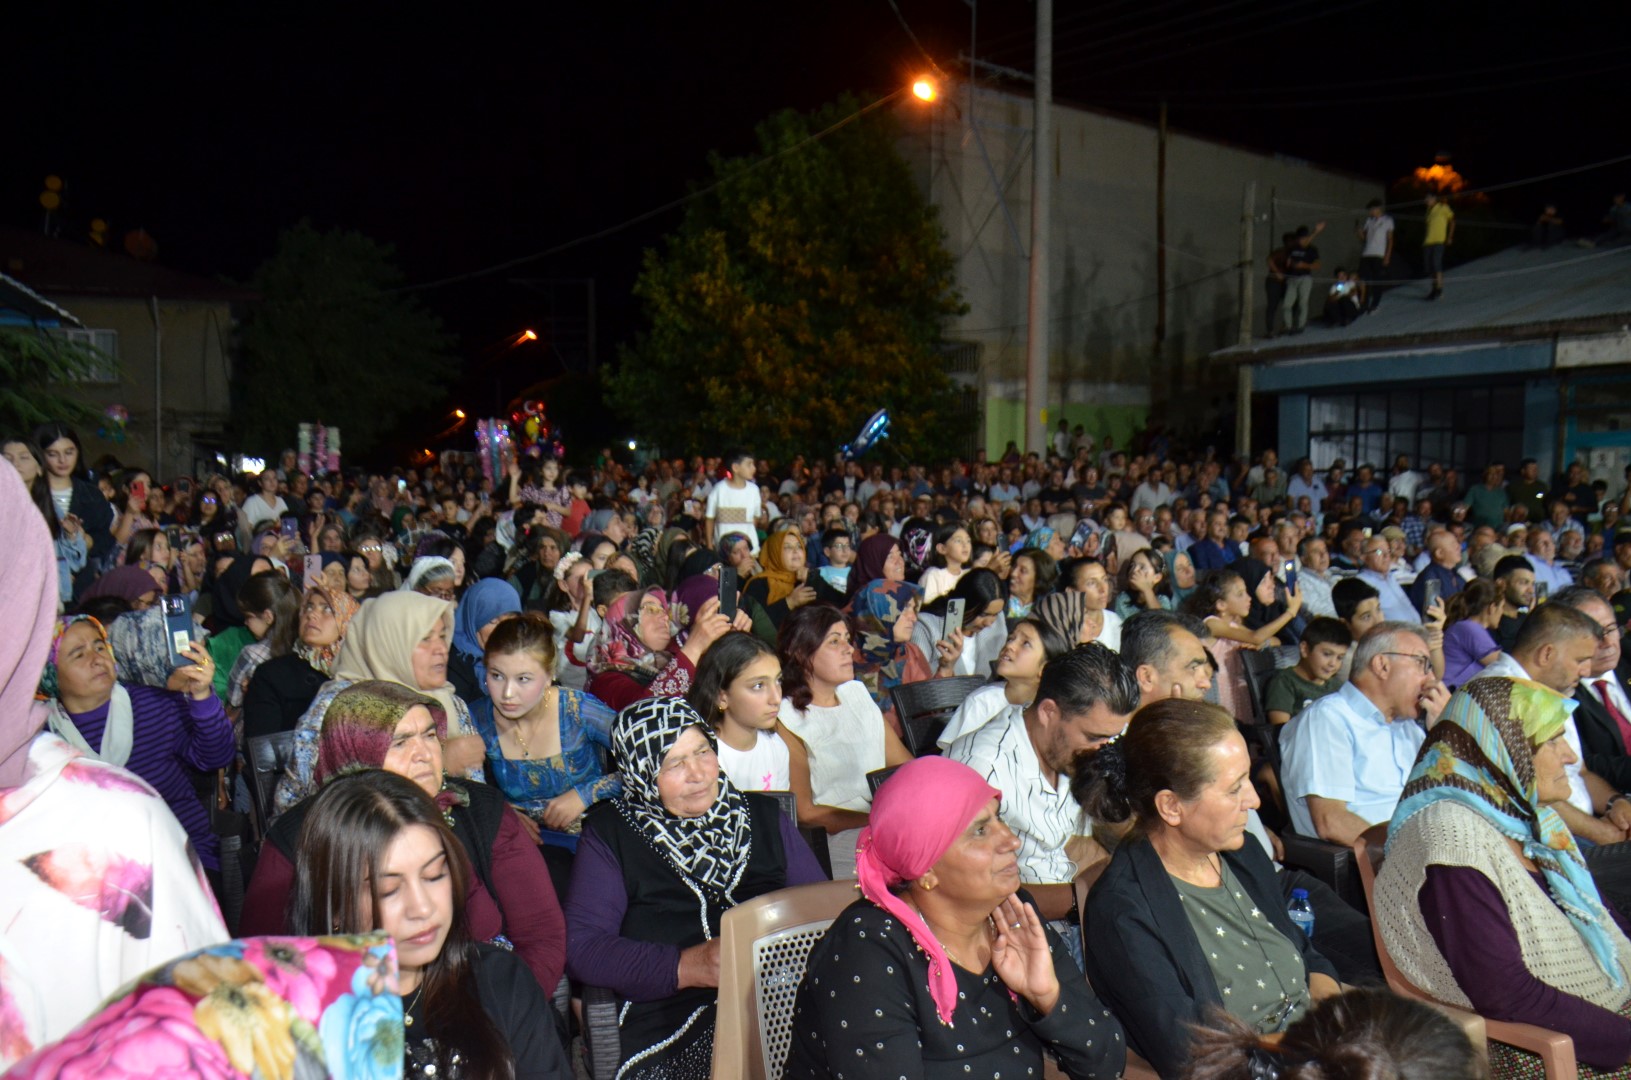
[(73, 495)]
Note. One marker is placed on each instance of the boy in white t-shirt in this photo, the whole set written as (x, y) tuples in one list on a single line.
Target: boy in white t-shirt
[(734, 506)]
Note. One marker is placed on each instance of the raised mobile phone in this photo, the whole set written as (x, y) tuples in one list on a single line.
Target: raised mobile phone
[(178, 628), (1291, 575), (313, 572), (954, 617), (1543, 589), (1430, 590), (727, 591), (1084, 531), (289, 527)]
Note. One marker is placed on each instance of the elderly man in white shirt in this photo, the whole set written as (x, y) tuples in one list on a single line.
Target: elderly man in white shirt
[(1376, 556)]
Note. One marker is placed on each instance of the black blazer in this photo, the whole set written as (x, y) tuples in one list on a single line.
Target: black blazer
[(1605, 752), (1144, 960)]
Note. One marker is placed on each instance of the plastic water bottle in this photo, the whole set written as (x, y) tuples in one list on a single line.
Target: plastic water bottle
[(1301, 912)]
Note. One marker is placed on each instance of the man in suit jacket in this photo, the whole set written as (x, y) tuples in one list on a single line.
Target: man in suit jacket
[(1604, 716)]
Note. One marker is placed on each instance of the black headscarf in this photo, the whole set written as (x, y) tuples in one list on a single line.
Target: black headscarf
[(1252, 572), (227, 613)]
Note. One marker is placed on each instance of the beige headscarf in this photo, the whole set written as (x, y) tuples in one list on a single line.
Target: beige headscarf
[(380, 640)]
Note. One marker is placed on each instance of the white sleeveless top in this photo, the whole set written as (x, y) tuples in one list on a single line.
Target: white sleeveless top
[(843, 743)]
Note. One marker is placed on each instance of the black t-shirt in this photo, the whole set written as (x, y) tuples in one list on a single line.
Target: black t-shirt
[(1086, 493), (1058, 496), (1300, 260), (518, 1008)]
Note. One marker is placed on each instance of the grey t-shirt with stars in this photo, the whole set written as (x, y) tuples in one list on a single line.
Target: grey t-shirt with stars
[(1258, 971)]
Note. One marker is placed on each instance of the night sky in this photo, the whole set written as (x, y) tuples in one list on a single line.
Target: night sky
[(465, 136)]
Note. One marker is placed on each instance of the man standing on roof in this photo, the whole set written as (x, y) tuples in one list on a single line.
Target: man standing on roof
[(1377, 255), (1301, 260), (1440, 235)]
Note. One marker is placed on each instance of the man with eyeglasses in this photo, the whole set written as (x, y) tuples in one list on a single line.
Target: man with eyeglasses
[(1377, 560), (832, 579), (1083, 700), (1346, 757)]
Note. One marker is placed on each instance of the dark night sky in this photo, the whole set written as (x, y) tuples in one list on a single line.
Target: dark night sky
[(472, 135)]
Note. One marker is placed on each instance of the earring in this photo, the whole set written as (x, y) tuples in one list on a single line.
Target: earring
[(926, 886)]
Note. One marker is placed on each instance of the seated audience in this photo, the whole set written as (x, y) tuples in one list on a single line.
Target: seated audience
[(656, 870), (1188, 916), (1484, 900), (738, 690), (375, 854), (885, 616), (1344, 759), (940, 941), (637, 653), (1224, 603), (1469, 640), (482, 607), (984, 629), (781, 588), (284, 687), (1031, 644), (1320, 653)]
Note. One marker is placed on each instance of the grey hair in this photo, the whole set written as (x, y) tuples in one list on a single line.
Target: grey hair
[(1383, 638)]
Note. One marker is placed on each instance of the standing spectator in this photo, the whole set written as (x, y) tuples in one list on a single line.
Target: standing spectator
[(1274, 286), (1527, 490), (1307, 483), (1548, 228), (1487, 503), (1440, 235), (1302, 259), (1618, 219), (1376, 256), (734, 506)]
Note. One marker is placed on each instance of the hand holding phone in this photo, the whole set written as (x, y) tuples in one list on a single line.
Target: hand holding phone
[(727, 591), (178, 629), (289, 527), (1290, 568), (954, 616), (1430, 591), (313, 575)]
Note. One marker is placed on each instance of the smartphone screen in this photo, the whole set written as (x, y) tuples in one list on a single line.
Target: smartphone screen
[(1543, 589), (1290, 575), (178, 629), (1429, 594), (1084, 531), (313, 571), (289, 527), (954, 616), (727, 591)]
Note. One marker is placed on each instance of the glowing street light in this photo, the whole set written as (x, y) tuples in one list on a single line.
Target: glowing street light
[(529, 335), (924, 89), (459, 413)]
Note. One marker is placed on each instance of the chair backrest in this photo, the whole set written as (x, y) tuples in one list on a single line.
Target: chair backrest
[(1258, 667), (763, 947), (924, 707), (788, 803), (268, 755), (875, 778)]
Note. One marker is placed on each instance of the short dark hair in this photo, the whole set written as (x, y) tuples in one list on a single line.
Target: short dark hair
[(610, 584), (1374, 204), (1508, 565), (1348, 594), (1086, 675), (1327, 631), (800, 635), (1302, 545), (1146, 638), (1553, 624), (831, 536), (735, 457)]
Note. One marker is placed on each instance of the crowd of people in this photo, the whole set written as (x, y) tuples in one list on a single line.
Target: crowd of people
[(537, 719)]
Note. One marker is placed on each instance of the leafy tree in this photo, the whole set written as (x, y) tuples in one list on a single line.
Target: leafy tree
[(37, 373), (803, 293), (329, 341)]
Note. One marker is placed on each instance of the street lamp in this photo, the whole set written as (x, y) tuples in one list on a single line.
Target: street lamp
[(529, 335), (925, 90)]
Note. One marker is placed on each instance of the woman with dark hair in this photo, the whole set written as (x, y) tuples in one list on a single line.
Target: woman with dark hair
[(1471, 615), (1188, 916), (943, 968), (150, 550), (1358, 1035), (546, 744), (534, 572), (359, 577), (835, 732), (376, 855), (1031, 644), (72, 493), (271, 608), (439, 545), (655, 873), (984, 629), (381, 725), (738, 690), (1142, 584), (66, 534), (1031, 576)]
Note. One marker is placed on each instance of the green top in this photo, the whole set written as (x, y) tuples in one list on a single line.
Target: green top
[(1258, 971), (224, 649), (1290, 693)]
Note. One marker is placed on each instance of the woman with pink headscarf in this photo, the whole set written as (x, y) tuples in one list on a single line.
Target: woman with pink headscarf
[(97, 882), (943, 969)]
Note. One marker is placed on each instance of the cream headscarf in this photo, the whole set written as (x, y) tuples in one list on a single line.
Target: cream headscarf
[(379, 642)]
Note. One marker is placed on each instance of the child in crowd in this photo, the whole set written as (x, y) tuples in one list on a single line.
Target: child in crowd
[(1323, 646), (738, 689)]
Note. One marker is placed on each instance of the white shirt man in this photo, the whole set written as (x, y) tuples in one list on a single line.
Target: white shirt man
[(1378, 573)]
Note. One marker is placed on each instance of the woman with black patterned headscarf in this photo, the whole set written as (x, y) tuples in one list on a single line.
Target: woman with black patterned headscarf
[(655, 872)]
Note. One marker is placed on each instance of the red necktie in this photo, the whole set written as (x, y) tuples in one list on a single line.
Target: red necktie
[(1619, 717)]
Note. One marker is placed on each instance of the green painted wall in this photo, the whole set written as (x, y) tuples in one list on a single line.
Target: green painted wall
[(1005, 422)]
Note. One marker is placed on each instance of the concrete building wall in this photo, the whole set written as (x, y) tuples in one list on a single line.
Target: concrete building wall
[(188, 363), (972, 155)]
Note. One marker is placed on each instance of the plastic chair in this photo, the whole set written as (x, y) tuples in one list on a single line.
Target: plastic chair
[(924, 707), (763, 947), (267, 754), (816, 838), (1555, 1049)]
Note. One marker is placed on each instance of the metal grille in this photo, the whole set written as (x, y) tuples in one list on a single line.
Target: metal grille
[(778, 968)]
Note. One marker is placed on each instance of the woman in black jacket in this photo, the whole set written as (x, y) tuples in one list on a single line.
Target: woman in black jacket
[(1188, 916), (73, 493)]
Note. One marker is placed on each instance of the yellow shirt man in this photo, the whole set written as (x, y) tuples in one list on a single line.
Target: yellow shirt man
[(1439, 216)]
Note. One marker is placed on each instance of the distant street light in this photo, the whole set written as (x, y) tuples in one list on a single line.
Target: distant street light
[(459, 413), (529, 335), (925, 90)]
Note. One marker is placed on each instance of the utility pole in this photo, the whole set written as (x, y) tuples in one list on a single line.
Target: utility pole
[(1036, 313), (1243, 373), (1156, 361)]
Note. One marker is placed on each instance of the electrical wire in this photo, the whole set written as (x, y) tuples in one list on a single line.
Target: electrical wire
[(1149, 36), (658, 210)]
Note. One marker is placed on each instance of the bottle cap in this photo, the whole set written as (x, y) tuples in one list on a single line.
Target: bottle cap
[(1299, 894)]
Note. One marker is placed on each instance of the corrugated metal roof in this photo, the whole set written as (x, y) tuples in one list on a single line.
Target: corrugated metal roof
[(1514, 293), (15, 296)]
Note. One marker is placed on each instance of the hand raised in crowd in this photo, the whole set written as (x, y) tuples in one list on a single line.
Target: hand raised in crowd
[(197, 678), (1434, 615), (707, 627), (1020, 955), (949, 649), (1144, 579), (1294, 598)]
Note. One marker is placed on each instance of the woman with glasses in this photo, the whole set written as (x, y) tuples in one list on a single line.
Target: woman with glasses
[(1188, 917), (656, 870), (284, 686)]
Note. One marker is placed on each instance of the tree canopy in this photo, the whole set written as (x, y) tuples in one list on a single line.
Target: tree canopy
[(330, 342), (800, 295), (38, 373)]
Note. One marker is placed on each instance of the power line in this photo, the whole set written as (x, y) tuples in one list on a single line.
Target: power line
[(1196, 23), (655, 211), (904, 25), (1279, 24)]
